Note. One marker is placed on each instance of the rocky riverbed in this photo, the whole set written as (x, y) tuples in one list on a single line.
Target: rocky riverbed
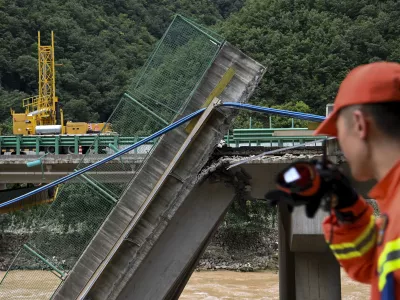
[(241, 250)]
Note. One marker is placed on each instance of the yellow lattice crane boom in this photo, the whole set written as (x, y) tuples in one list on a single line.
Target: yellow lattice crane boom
[(45, 103), (43, 114)]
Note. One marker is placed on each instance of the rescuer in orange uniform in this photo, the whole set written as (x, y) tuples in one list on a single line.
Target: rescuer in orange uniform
[(366, 121)]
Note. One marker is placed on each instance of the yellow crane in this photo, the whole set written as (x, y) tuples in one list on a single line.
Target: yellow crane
[(43, 114)]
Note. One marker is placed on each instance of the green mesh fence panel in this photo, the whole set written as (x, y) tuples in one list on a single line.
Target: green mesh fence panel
[(175, 68), (159, 92)]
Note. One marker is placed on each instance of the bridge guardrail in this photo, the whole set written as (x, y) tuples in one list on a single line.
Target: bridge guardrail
[(97, 144), (37, 143)]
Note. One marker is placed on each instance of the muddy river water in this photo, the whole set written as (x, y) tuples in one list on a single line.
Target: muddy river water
[(210, 285), (255, 285)]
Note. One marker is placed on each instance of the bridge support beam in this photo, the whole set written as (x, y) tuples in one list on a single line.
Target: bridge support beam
[(287, 283), (307, 268), (317, 273), (317, 276)]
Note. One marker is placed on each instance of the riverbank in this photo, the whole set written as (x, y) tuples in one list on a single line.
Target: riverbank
[(246, 241), (257, 254)]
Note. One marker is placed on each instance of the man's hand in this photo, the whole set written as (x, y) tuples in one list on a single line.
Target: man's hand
[(316, 185)]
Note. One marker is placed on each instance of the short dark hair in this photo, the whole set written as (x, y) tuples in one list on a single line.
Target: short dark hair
[(386, 116)]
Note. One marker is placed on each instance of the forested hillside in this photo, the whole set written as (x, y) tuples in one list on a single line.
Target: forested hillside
[(100, 45), (307, 46)]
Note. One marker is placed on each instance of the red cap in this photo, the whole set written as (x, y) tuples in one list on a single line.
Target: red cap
[(372, 83)]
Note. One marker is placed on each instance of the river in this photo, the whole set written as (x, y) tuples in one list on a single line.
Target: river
[(206, 285), (226, 285)]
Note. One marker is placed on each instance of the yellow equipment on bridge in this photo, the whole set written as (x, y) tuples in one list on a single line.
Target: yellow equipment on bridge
[(43, 114), (41, 198)]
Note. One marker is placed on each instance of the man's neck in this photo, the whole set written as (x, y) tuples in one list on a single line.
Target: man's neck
[(386, 155)]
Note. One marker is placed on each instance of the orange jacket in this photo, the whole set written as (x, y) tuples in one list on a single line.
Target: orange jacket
[(369, 248)]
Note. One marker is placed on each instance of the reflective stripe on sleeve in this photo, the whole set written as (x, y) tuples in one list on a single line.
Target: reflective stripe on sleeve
[(389, 261), (360, 246)]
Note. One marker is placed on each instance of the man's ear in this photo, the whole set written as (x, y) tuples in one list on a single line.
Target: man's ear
[(360, 124)]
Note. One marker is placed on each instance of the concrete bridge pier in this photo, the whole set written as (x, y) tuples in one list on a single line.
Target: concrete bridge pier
[(308, 269), (317, 273), (287, 286)]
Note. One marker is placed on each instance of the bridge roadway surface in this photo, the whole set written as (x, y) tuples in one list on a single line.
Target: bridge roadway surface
[(13, 168)]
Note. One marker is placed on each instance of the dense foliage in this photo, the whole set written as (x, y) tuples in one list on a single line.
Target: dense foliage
[(100, 45), (307, 45)]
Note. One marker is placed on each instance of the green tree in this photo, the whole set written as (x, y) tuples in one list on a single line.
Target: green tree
[(309, 46), (77, 110), (284, 122)]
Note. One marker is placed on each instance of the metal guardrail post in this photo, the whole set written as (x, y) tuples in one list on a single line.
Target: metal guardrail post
[(57, 145), (96, 145), (76, 144), (18, 145), (136, 140), (280, 143), (37, 143)]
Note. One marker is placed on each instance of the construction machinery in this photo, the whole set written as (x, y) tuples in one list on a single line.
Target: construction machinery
[(43, 113)]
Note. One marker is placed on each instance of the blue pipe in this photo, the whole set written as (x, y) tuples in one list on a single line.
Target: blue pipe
[(281, 112), (287, 113)]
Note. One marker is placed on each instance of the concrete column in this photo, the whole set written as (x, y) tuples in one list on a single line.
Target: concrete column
[(317, 276), (317, 273), (287, 288)]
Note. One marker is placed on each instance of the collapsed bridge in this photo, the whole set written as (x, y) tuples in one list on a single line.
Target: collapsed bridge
[(140, 238)]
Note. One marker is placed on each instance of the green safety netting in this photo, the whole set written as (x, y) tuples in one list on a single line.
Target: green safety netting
[(159, 92)]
